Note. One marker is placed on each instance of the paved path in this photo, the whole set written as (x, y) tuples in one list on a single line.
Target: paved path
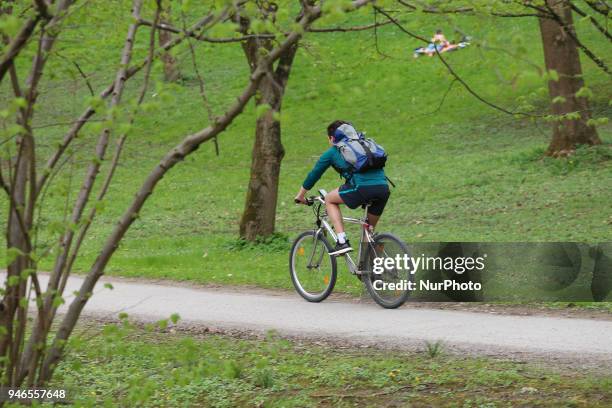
[(585, 342)]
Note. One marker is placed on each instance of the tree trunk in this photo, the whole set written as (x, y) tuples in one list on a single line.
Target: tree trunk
[(18, 227), (172, 72), (259, 216), (561, 55)]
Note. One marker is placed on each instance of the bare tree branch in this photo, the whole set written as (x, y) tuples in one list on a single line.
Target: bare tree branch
[(376, 45), (202, 37), (569, 30), (451, 70), (80, 71), (600, 7), (94, 166), (201, 84), (460, 10), (90, 111), (186, 147), (17, 44), (23, 197), (115, 161), (43, 9), (60, 272), (348, 29), (593, 21), (27, 29)]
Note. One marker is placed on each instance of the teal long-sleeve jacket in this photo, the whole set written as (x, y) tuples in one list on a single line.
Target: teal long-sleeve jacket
[(332, 157)]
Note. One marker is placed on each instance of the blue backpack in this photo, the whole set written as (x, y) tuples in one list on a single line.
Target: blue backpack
[(361, 153)]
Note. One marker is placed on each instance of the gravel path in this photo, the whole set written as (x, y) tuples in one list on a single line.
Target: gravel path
[(583, 342)]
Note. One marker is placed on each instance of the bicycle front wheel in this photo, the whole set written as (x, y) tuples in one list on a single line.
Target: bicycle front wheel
[(389, 288), (312, 269)]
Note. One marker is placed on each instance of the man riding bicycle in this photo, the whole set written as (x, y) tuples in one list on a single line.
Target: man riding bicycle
[(359, 187)]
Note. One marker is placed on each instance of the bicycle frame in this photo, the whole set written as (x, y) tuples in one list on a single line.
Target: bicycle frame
[(323, 224)]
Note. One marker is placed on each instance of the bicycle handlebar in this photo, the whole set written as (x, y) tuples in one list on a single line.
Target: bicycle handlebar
[(309, 200)]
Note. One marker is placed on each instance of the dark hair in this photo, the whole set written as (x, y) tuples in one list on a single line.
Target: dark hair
[(438, 31), (331, 128)]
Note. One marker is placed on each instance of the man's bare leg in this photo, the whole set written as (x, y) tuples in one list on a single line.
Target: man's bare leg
[(332, 204), (332, 201), (373, 219)]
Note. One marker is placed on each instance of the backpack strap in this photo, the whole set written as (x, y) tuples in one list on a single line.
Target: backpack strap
[(367, 150), (346, 174)]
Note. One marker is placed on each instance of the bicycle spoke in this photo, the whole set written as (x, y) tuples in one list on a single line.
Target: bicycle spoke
[(313, 271), (388, 287)]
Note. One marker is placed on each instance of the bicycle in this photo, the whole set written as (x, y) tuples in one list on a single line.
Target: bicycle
[(313, 271)]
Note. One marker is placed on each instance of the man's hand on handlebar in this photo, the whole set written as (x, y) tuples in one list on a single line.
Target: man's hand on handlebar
[(299, 198)]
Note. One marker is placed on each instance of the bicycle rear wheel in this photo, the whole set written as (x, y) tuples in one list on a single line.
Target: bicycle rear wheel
[(390, 288), (312, 269)]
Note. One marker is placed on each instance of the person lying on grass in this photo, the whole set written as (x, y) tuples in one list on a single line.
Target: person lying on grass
[(430, 50), (439, 39), (359, 187)]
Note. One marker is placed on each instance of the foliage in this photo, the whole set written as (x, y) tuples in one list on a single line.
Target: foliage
[(452, 159), (458, 169), (434, 349), (127, 366), (584, 158), (277, 242), (40, 37)]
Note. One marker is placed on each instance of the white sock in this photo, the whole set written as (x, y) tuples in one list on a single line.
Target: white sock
[(341, 237)]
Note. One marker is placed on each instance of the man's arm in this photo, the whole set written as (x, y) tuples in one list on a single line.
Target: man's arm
[(300, 197), (315, 174)]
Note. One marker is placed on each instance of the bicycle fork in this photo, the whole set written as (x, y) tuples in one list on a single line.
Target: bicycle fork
[(314, 251)]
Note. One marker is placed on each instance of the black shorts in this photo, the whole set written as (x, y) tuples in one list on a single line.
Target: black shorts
[(354, 197)]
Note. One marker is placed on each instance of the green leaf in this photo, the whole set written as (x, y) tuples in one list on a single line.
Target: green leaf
[(174, 318), (261, 110), (23, 302), (13, 281), (95, 102), (584, 92), (223, 30), (559, 99), (597, 122), (20, 102), (100, 206), (186, 6), (12, 254), (15, 129), (58, 301), (10, 25), (124, 128), (297, 28), (27, 272), (109, 285)]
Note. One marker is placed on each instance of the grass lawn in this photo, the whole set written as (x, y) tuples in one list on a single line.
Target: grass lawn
[(125, 366), (463, 172)]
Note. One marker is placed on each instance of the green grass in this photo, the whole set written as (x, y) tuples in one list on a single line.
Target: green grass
[(124, 366), (463, 173)]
